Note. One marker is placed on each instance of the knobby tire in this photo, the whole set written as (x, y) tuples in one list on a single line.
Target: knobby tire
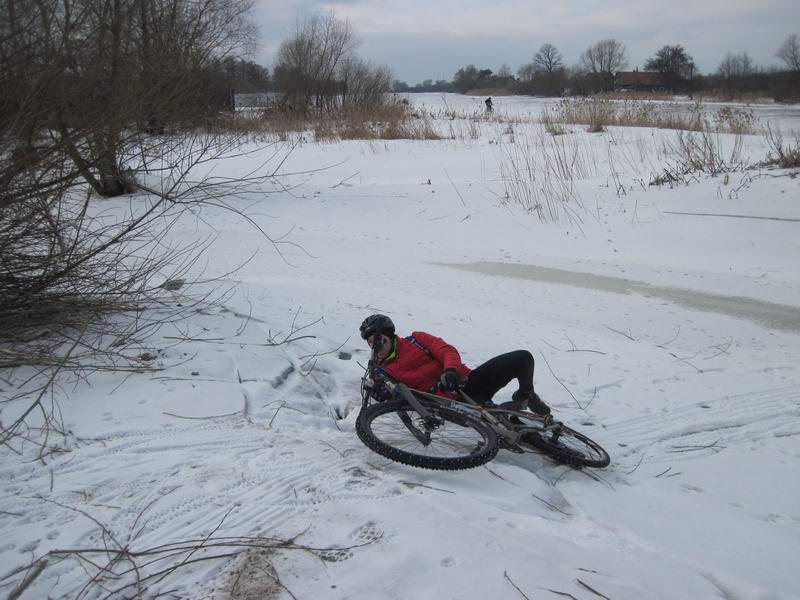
[(570, 448), (472, 442)]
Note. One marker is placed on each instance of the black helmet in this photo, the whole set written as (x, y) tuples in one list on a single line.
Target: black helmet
[(375, 322)]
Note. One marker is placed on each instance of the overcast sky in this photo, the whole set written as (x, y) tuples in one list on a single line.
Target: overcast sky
[(430, 39)]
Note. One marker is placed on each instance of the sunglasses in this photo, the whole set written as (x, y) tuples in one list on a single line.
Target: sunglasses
[(370, 340)]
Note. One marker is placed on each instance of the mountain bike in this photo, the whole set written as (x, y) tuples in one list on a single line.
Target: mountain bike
[(423, 429)]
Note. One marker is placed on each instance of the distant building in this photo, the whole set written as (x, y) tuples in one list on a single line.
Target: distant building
[(638, 81)]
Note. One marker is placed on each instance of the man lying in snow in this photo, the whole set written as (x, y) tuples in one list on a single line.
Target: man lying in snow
[(425, 362)]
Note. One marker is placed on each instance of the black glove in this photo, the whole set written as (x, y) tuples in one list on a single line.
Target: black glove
[(448, 382)]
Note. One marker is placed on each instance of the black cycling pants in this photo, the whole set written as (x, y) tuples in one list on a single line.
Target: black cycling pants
[(493, 375)]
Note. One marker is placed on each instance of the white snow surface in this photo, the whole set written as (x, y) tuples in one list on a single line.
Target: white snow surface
[(671, 339)]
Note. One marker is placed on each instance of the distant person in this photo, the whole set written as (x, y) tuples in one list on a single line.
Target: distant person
[(489, 105)]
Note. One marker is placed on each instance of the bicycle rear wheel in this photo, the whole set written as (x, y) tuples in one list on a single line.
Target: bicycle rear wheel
[(560, 443), (452, 441)]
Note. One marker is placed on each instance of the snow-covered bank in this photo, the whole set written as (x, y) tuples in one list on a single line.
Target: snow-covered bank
[(698, 409)]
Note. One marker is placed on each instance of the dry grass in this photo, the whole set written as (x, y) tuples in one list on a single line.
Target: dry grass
[(645, 96), (392, 121), (738, 97), (601, 112), (551, 124), (543, 173), (539, 174), (781, 154)]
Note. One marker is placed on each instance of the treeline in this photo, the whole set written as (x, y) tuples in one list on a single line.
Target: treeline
[(601, 68)]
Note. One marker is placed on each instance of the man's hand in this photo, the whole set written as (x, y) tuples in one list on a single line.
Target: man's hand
[(448, 382)]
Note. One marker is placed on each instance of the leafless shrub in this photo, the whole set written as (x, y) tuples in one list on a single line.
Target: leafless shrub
[(121, 566), (318, 71), (87, 76), (419, 128), (540, 176), (782, 155), (81, 290), (700, 152)]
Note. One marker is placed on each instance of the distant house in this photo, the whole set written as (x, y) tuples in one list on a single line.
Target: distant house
[(638, 81)]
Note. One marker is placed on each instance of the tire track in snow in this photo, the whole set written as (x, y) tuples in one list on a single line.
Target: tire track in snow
[(682, 434), (267, 482)]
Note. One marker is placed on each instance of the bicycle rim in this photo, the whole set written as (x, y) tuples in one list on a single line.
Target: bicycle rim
[(457, 442), (564, 445)]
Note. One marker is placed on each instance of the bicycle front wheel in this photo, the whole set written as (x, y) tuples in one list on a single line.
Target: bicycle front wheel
[(449, 441)]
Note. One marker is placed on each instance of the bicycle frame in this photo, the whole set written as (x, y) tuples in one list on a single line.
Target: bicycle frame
[(464, 405)]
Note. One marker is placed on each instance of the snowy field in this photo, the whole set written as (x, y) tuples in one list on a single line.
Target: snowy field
[(665, 323)]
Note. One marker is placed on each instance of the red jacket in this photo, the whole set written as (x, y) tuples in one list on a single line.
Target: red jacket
[(419, 365)]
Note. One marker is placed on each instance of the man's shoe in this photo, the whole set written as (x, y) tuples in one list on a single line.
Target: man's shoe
[(535, 404)]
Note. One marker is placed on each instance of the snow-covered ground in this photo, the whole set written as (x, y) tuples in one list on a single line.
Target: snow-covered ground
[(670, 338)]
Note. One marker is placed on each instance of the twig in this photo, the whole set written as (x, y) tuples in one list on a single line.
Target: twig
[(627, 334), (345, 180), (283, 405), (637, 465), (686, 361), (559, 381), (37, 569), (675, 337), (576, 349), (412, 484), (664, 472), (318, 354), (592, 399), (238, 412), (332, 447), (712, 446), (786, 219), (454, 186), (722, 349), (556, 592), (516, 587), (550, 505), (591, 589)]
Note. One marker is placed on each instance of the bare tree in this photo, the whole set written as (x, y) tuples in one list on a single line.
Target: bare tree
[(789, 52), (545, 75), (735, 65), (736, 71), (362, 84), (548, 59), (605, 57), (96, 71), (308, 64), (675, 65), (504, 72)]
